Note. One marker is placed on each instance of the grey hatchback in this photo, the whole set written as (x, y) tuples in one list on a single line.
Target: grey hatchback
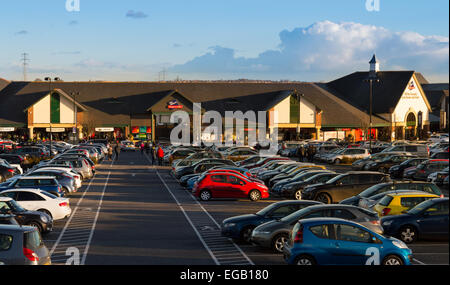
[(22, 245), (275, 233)]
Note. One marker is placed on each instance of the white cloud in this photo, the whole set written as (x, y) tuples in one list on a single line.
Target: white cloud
[(324, 51)]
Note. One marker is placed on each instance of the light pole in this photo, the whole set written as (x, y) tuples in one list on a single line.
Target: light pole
[(49, 80), (75, 130), (372, 78)]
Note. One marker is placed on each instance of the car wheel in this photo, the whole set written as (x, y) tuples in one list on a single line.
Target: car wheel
[(66, 191), (255, 195), (337, 161), (305, 260), (408, 234), (278, 242), (36, 225), (392, 260), (46, 212), (246, 234), (298, 195), (205, 195), (324, 198)]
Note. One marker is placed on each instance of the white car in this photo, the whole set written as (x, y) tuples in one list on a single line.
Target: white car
[(38, 200), (351, 154)]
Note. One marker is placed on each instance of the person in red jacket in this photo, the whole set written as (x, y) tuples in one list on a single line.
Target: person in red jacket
[(160, 155)]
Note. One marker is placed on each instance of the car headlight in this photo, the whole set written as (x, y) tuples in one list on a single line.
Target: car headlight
[(229, 225), (399, 244), (387, 223), (44, 218)]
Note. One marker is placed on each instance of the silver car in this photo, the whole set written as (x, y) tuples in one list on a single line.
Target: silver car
[(275, 233), (22, 245), (79, 165)]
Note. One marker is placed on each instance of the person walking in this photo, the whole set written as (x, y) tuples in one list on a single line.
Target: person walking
[(160, 155), (117, 150), (142, 147), (110, 152)]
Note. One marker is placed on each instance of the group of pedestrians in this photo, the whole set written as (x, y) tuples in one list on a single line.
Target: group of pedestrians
[(155, 152), (306, 153)]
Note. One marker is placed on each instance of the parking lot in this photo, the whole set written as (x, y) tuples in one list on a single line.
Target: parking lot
[(134, 213)]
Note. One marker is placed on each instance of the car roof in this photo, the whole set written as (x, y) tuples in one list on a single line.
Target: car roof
[(326, 220), (5, 199), (334, 206), (16, 228), (36, 177), (412, 194), (364, 172), (36, 191)]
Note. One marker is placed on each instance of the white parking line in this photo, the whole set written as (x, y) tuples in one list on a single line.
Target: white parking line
[(86, 250)]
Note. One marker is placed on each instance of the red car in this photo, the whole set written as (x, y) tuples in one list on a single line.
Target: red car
[(229, 185), (246, 174)]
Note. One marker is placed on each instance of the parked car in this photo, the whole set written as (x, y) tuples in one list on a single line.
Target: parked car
[(240, 154), (380, 188), (300, 177), (361, 163), (179, 153), (14, 160), (6, 172), (66, 181), (264, 161), (241, 227), (301, 168), (274, 234), (385, 164), (343, 186), (294, 190), (80, 165), (419, 150), (21, 245), (331, 241), (25, 217), (427, 220), (440, 155), (127, 146), (427, 167), (396, 171), (181, 171), (228, 185), (8, 219), (349, 154), (438, 177), (46, 183), (37, 200), (396, 204)]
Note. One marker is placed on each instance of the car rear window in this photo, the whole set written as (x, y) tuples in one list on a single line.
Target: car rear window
[(5, 242), (410, 202), (386, 200), (50, 195), (32, 240)]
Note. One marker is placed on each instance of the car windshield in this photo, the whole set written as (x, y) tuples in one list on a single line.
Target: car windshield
[(295, 216), (420, 207), (332, 180), (369, 191), (267, 209), (15, 206)]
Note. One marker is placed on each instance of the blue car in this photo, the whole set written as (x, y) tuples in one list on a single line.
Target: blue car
[(191, 181), (427, 220), (334, 241), (241, 227), (44, 183)]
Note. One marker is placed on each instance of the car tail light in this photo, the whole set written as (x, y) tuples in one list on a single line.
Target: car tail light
[(442, 196), (63, 204), (11, 170), (375, 222), (386, 211), (31, 255), (299, 236)]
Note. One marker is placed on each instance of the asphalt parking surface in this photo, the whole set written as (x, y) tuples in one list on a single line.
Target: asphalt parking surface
[(133, 213)]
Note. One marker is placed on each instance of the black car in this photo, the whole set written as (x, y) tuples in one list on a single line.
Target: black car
[(427, 220), (241, 227), (6, 172), (13, 159), (396, 171), (8, 219), (179, 172), (343, 186), (385, 164), (42, 221), (390, 186), (294, 190), (440, 155)]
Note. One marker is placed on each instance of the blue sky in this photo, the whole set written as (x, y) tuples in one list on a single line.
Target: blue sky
[(198, 39)]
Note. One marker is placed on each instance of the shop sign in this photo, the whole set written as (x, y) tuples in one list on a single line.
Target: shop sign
[(55, 130), (5, 130), (104, 130), (171, 105)]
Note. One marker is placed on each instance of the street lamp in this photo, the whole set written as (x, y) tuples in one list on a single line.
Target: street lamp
[(75, 130), (49, 80), (374, 65)]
